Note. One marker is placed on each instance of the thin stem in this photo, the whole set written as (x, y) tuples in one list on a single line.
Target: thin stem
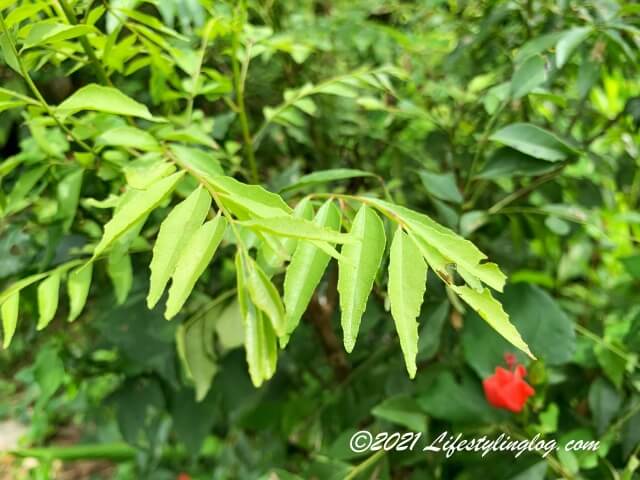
[(601, 341), (198, 70), (362, 467), (526, 190), (86, 46), (36, 92), (242, 113), (483, 143)]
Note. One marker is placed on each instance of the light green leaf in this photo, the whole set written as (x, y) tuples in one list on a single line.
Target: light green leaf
[(529, 75), (357, 272), (534, 141), (441, 246), (197, 160), (8, 53), (306, 269), (407, 284), (492, 312), (78, 284), (441, 185), (135, 210), (68, 191), (298, 228), (130, 137), (229, 327), (9, 313), (196, 337), (48, 296), (121, 273), (146, 170), (260, 342), (103, 99), (264, 295), (325, 176), (248, 201), (48, 32), (193, 261), (175, 232), (568, 43)]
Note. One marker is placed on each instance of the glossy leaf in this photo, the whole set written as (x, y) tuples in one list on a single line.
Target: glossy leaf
[(9, 313), (358, 270), (325, 176), (260, 342), (78, 284), (492, 312), (120, 272), (175, 231), (103, 99), (136, 209), (192, 262), (528, 76), (298, 228), (307, 268), (264, 295), (534, 141), (130, 137), (47, 32), (407, 284), (568, 42), (48, 296)]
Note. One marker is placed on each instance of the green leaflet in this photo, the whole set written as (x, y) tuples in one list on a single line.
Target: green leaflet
[(130, 137), (120, 272), (51, 32), (175, 231), (243, 199), (8, 53), (263, 294), (568, 43), (534, 141), (357, 271), (449, 246), (298, 228), (193, 260), (275, 258), (324, 176), (492, 312), (9, 313), (306, 269), (136, 209), (260, 341), (68, 193), (196, 160), (103, 99), (528, 76), (407, 284), (78, 283), (48, 296), (194, 339)]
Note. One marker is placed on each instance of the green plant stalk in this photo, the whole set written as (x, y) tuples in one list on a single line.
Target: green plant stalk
[(106, 451), (483, 143), (601, 341), (362, 467), (86, 46), (242, 113), (196, 73), (36, 92)]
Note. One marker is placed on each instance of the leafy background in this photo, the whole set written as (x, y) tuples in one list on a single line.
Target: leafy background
[(513, 123)]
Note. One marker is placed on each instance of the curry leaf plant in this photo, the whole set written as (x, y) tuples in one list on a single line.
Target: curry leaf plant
[(189, 200)]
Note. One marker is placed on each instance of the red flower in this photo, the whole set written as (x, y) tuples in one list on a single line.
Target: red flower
[(506, 388), (184, 476)]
